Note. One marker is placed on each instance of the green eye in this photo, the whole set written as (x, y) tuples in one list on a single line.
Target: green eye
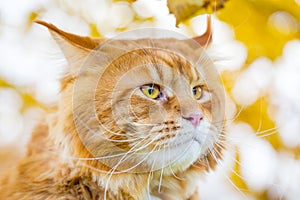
[(152, 91), (197, 92)]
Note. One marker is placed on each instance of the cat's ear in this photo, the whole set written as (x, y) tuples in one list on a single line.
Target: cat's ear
[(205, 39), (75, 48)]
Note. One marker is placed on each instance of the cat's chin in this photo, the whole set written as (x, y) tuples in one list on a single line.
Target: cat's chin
[(178, 157)]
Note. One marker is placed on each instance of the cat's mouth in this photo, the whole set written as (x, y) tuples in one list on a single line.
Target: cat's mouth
[(185, 143), (175, 136)]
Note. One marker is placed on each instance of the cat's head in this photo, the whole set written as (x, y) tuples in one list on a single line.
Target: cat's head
[(139, 104)]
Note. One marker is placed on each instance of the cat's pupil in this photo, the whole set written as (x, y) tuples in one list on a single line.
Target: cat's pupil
[(194, 90), (150, 90)]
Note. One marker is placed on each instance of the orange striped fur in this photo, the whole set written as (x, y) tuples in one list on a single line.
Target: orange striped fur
[(117, 143)]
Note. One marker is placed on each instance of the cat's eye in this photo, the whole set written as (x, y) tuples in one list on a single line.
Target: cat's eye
[(197, 92), (151, 90)]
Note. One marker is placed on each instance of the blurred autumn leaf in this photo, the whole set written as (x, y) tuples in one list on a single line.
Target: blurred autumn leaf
[(185, 9), (250, 20), (252, 23), (28, 99), (94, 31), (32, 16)]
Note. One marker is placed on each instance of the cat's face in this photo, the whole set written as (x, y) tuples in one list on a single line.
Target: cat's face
[(160, 104), (147, 107)]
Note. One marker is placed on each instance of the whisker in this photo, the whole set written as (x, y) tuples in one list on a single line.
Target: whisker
[(161, 172), (132, 151), (267, 132), (151, 175), (112, 171), (226, 176), (171, 169), (240, 164), (260, 116)]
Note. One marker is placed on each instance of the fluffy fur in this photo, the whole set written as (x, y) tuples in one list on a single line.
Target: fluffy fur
[(107, 140)]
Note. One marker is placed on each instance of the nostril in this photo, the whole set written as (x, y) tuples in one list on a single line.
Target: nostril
[(194, 119)]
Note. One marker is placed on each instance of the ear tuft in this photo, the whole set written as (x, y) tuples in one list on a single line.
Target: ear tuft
[(206, 38), (78, 41), (75, 48)]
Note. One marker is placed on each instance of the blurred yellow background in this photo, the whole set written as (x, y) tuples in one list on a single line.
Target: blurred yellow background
[(257, 46)]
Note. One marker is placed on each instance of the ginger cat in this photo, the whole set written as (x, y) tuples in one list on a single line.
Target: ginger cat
[(137, 119)]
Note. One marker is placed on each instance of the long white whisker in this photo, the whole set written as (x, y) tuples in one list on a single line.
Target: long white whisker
[(225, 175), (170, 165), (162, 170), (240, 164), (113, 170), (150, 175)]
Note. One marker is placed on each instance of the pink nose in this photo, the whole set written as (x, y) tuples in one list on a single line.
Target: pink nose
[(194, 119)]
